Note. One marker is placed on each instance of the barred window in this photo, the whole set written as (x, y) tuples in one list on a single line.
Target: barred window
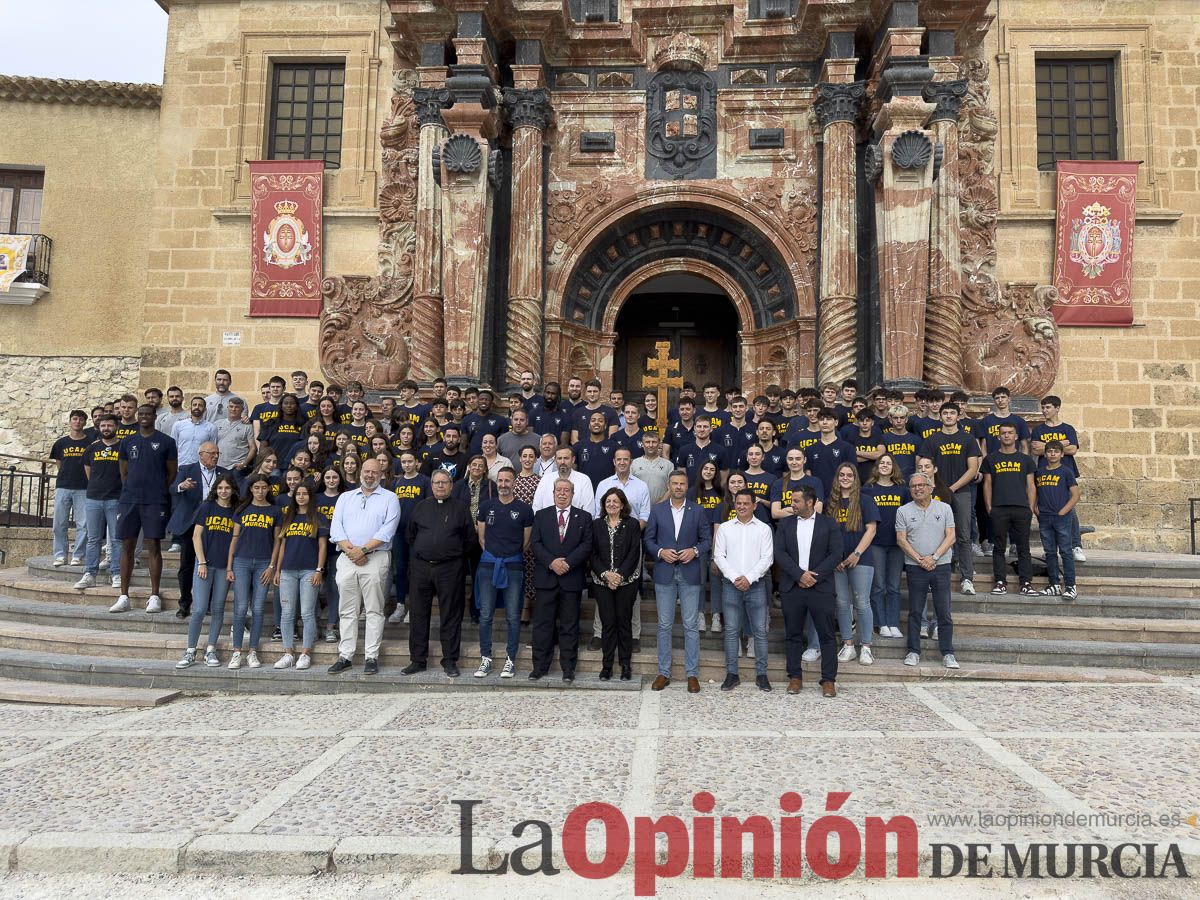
[(1076, 110), (306, 112)]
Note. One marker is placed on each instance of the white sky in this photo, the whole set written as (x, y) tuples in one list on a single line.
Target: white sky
[(105, 40)]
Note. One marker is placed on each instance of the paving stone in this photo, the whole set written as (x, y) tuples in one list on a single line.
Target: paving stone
[(37, 717), (299, 714), (254, 854), (18, 746), (526, 709), (100, 853)]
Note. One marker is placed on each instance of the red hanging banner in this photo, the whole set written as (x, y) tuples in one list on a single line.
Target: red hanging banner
[(286, 197), (1093, 258)]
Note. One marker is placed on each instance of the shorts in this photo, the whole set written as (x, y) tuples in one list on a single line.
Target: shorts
[(147, 519)]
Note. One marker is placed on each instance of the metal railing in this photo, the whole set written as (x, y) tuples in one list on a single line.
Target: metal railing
[(37, 262), (26, 491)]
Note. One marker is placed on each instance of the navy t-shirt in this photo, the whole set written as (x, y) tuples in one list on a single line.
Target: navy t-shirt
[(1053, 489), (545, 421), (692, 459), (102, 459), (822, 460), (504, 527), (903, 450), (783, 489), (760, 486), (923, 427), (257, 537), (282, 436), (951, 453), (1060, 432), (719, 418), (410, 492), (582, 416), (1009, 473), (324, 505), (774, 461), (872, 442), (476, 426), (595, 460), (70, 453), (631, 442), (870, 513), (990, 425), (217, 522), (734, 439), (146, 475), (265, 413), (888, 500), (301, 544)]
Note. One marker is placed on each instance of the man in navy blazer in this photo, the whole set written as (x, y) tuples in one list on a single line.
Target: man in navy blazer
[(190, 489), (561, 546), (678, 533), (807, 550)]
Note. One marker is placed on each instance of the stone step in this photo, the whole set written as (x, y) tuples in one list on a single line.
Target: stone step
[(1065, 626), (66, 694), (112, 670)]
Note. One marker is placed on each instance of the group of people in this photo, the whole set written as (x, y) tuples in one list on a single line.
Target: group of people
[(816, 501)]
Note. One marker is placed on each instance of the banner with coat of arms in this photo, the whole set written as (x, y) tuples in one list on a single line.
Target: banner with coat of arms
[(286, 197), (14, 255), (1093, 260)]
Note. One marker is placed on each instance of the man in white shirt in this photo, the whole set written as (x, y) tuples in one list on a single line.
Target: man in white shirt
[(638, 495), (564, 467), (744, 551), (364, 523)]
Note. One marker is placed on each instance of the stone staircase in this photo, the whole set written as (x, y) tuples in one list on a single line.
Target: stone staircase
[(1138, 618)]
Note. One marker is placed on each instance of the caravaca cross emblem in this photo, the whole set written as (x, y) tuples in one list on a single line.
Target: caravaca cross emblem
[(1095, 240), (285, 242)]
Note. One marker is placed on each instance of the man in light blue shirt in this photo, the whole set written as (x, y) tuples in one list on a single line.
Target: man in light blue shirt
[(364, 523), (191, 432)]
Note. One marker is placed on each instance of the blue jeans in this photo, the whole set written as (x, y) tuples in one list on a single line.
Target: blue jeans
[(102, 515), (400, 564), (296, 584), (248, 591), (332, 594), (710, 586), (754, 602), (514, 597), (208, 596), (67, 500), (688, 596), (920, 583), (1057, 540), (854, 586), (1076, 534), (888, 563)]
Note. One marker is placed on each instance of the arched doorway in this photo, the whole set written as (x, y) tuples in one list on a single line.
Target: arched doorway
[(695, 315)]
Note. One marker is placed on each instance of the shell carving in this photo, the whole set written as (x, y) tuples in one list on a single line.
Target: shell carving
[(461, 153), (911, 150)]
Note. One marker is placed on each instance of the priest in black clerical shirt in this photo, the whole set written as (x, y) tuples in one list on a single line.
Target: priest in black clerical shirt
[(440, 534)]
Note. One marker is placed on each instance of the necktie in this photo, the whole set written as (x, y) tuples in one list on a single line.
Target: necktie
[(562, 525)]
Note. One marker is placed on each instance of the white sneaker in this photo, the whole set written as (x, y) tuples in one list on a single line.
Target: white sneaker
[(104, 561), (122, 604), (812, 654), (750, 648), (924, 630), (700, 622), (1080, 556), (59, 562), (304, 662), (846, 653), (210, 658), (896, 632), (252, 660), (967, 588), (485, 667), (88, 580), (865, 656), (933, 632), (188, 659), (398, 616), (912, 659), (510, 669), (949, 661), (154, 604), (284, 662), (116, 581), (977, 550), (406, 615), (235, 661), (77, 560), (716, 623), (174, 548)]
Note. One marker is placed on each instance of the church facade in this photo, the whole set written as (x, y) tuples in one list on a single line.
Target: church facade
[(789, 191)]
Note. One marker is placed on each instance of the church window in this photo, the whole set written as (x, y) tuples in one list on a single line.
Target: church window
[(1076, 110), (306, 112)]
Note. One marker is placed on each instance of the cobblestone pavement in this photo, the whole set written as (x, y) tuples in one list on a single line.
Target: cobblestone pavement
[(262, 771)]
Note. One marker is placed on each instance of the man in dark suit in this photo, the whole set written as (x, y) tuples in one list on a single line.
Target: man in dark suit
[(191, 488), (807, 550), (678, 533), (561, 546)]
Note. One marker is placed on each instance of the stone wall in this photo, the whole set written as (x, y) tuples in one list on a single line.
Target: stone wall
[(1131, 392), (38, 392)]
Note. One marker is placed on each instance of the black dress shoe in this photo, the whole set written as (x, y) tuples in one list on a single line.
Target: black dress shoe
[(371, 667), (730, 682), (595, 643), (763, 683), (341, 665), (637, 645), (535, 675), (451, 670), (184, 612), (568, 677), (626, 673), (413, 668), (606, 674)]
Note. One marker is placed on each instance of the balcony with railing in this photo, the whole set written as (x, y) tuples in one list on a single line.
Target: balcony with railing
[(34, 283)]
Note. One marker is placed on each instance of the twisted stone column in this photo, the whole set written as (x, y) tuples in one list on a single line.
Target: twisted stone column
[(837, 109), (943, 364), (529, 113), (426, 338)]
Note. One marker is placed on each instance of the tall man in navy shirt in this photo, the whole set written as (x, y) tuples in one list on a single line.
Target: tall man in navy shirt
[(148, 461), (822, 458), (594, 452)]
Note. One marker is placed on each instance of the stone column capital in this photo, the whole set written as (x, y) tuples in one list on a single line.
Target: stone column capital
[(429, 103), (948, 96), (528, 107), (839, 102)]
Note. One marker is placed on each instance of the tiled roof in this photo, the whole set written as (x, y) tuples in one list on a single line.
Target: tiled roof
[(84, 93)]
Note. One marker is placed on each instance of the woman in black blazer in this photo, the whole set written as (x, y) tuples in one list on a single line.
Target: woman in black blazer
[(616, 566)]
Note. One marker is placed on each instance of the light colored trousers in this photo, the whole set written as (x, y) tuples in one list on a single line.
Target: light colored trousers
[(365, 586)]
